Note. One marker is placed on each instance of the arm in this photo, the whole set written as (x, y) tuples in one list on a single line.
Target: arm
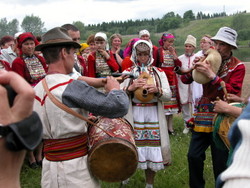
[(164, 92), (112, 63), (112, 104), (95, 82), (223, 107), (18, 66), (11, 162), (91, 66)]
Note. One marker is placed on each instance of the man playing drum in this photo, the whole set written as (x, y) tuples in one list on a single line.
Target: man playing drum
[(65, 138), (232, 72)]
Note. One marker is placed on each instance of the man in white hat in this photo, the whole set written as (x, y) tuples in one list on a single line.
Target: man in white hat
[(67, 165), (232, 72), (186, 90)]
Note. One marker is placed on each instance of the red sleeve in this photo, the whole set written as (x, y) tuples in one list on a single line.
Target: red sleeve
[(187, 78), (112, 63), (91, 66), (177, 63), (235, 82), (18, 66), (83, 64), (155, 54), (126, 63), (6, 65)]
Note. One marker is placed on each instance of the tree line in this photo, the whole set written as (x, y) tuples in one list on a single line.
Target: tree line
[(168, 21)]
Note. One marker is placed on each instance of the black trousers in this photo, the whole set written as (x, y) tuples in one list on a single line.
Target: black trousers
[(196, 157)]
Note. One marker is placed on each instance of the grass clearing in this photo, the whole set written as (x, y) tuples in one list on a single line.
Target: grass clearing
[(174, 176)]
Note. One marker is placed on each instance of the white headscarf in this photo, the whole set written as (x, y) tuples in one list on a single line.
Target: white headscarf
[(104, 36), (133, 56)]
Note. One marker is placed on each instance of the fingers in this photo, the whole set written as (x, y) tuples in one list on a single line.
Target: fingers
[(23, 102), (5, 112)]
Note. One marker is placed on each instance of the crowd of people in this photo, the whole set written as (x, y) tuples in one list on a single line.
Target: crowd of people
[(154, 84)]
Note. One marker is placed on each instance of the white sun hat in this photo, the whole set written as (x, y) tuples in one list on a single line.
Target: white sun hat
[(227, 35)]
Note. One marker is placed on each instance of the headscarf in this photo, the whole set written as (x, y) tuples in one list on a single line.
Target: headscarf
[(24, 37), (104, 37), (133, 56), (128, 48), (164, 37), (83, 47), (144, 32)]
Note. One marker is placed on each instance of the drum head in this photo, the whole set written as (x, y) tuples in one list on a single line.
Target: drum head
[(113, 160)]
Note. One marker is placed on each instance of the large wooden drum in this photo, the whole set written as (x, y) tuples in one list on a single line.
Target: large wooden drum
[(222, 124), (112, 153)]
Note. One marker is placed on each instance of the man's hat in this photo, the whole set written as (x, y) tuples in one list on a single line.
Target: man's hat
[(57, 36), (227, 35), (191, 40)]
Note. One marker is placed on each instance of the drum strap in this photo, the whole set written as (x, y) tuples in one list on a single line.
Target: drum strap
[(69, 110)]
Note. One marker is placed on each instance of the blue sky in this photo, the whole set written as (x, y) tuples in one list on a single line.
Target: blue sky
[(58, 12)]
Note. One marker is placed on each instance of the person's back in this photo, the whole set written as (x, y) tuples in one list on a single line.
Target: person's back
[(67, 167)]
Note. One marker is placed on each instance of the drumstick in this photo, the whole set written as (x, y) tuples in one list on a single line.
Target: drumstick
[(223, 85)]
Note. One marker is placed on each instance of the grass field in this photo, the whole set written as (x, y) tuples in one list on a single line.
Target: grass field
[(174, 176)]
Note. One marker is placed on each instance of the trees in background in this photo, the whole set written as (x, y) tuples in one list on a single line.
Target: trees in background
[(169, 21), (8, 28), (33, 24)]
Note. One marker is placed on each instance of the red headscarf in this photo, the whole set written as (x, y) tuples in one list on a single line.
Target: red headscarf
[(165, 36), (25, 36)]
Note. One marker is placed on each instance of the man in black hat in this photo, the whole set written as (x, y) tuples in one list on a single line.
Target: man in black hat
[(65, 138)]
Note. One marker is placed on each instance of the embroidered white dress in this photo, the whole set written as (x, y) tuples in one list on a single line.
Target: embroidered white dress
[(148, 119)]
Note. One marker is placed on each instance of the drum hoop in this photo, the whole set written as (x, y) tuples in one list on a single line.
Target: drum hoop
[(100, 142)]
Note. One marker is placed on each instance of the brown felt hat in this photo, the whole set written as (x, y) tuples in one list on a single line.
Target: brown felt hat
[(57, 36)]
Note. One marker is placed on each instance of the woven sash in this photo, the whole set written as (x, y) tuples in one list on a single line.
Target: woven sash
[(65, 148)]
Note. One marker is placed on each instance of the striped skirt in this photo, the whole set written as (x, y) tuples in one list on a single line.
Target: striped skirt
[(147, 137)]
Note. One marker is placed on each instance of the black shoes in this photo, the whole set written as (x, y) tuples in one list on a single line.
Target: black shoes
[(171, 133), (33, 165)]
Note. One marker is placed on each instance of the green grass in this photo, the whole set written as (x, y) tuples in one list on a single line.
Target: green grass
[(174, 176)]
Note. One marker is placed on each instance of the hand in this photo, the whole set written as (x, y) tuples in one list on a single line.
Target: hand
[(220, 106), (151, 88), (104, 53), (111, 84), (234, 98), (173, 51), (205, 68), (23, 102), (137, 84), (117, 50)]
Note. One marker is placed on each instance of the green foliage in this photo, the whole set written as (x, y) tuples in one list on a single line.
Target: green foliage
[(8, 28), (33, 24), (189, 15)]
